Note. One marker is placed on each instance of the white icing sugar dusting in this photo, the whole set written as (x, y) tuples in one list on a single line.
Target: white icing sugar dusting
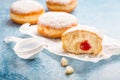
[(86, 28), (60, 1), (26, 6), (57, 19)]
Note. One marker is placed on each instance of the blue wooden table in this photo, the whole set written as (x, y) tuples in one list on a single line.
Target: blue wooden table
[(103, 14)]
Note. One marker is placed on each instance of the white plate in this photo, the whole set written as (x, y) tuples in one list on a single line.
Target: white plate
[(110, 46)]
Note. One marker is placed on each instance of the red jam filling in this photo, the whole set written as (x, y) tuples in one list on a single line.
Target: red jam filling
[(85, 45)]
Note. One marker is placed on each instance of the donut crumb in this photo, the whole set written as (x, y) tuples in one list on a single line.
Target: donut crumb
[(69, 70), (64, 62)]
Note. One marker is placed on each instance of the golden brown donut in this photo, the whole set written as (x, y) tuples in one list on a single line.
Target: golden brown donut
[(82, 40), (61, 5), (26, 11), (53, 24)]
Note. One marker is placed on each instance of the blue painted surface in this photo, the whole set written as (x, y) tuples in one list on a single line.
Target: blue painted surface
[(103, 14)]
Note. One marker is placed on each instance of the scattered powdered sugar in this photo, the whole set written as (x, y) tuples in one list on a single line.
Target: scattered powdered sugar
[(57, 19), (84, 27), (26, 6), (60, 1)]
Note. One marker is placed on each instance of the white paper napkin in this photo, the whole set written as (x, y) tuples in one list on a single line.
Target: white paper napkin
[(110, 46)]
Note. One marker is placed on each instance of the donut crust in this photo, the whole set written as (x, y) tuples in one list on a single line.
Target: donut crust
[(62, 7), (51, 32), (21, 18)]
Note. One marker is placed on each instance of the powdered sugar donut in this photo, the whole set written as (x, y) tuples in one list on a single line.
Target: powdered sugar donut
[(26, 11), (61, 5), (53, 24), (82, 39)]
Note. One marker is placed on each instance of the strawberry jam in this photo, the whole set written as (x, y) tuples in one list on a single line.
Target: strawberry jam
[(85, 45)]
